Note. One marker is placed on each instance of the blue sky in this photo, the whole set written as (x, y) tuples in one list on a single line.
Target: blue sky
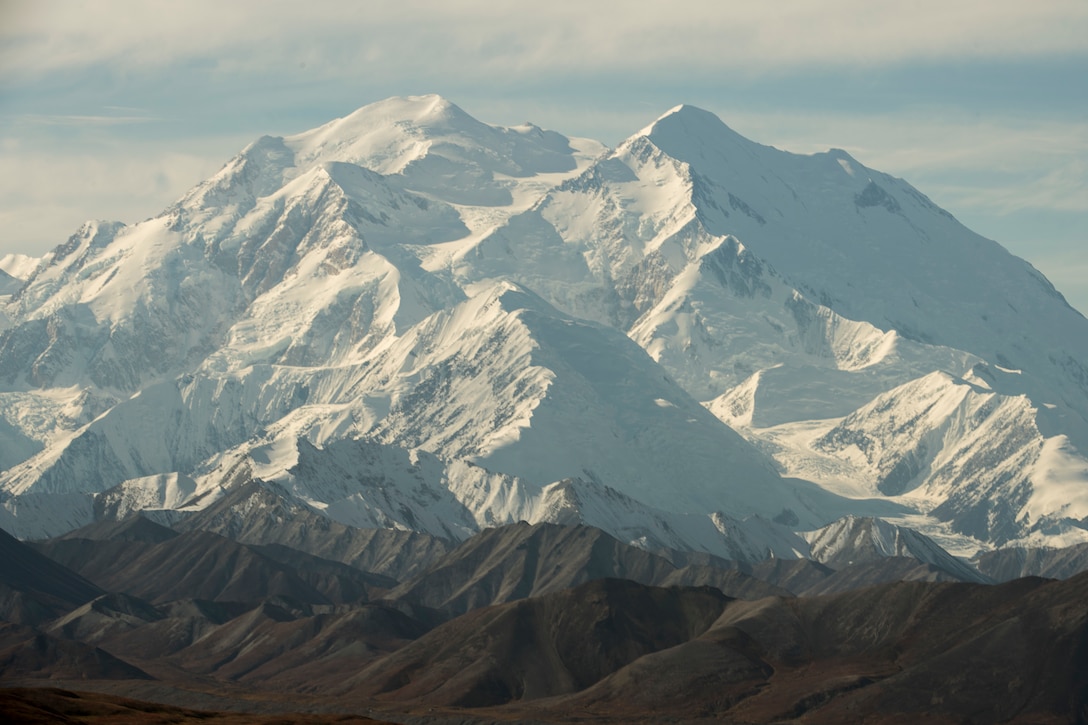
[(113, 109)]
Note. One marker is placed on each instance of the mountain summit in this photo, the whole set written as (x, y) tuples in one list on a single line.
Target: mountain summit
[(411, 319)]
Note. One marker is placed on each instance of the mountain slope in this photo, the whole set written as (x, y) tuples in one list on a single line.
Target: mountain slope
[(520, 651), (34, 588), (252, 514), (195, 565), (853, 540), (462, 384), (521, 561), (865, 240), (1015, 562), (864, 655)]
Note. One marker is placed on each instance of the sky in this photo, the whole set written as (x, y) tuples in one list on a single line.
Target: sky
[(112, 109)]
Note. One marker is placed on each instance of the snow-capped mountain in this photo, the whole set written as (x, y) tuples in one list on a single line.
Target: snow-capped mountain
[(854, 540), (408, 318)]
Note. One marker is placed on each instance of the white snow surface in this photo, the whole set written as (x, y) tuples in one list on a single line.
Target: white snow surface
[(410, 318)]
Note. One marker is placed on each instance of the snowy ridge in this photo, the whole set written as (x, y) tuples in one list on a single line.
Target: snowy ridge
[(19, 266), (369, 485), (352, 482), (972, 452), (115, 307), (855, 540), (167, 491)]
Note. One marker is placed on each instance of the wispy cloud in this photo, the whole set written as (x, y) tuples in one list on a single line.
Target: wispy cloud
[(95, 97), (997, 164), (46, 194), (474, 38), (81, 120), (921, 138), (1068, 272), (1063, 189)]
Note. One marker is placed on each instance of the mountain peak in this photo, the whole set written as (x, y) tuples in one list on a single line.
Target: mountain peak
[(422, 110), (689, 112), (676, 130), (440, 148), (387, 135)]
